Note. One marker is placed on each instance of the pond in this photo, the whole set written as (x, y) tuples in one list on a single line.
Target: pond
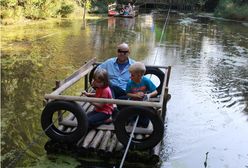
[(207, 116)]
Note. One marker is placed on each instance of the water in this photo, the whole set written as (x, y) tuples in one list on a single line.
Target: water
[(207, 116)]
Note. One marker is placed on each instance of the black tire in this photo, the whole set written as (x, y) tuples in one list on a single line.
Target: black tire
[(52, 130), (92, 73), (158, 73), (124, 117)]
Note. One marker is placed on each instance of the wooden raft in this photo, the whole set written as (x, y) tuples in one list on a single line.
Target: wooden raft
[(101, 143)]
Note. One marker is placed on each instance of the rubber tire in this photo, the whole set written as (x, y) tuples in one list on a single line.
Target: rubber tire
[(53, 132), (124, 116), (92, 73), (160, 74)]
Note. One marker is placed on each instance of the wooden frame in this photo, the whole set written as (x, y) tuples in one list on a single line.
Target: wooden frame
[(85, 69)]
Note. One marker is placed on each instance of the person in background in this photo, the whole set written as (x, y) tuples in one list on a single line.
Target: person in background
[(126, 11), (130, 9), (102, 111), (117, 69)]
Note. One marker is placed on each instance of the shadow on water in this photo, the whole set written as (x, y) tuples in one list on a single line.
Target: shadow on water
[(207, 114)]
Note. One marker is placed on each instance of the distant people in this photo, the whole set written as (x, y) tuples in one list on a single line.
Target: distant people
[(140, 87), (130, 9), (117, 69), (102, 111), (122, 10), (126, 11)]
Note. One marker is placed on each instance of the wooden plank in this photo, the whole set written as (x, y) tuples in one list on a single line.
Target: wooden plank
[(89, 137), (96, 141), (113, 144), (103, 100), (69, 123), (104, 143), (138, 130)]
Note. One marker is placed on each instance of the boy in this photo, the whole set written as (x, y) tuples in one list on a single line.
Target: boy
[(140, 87)]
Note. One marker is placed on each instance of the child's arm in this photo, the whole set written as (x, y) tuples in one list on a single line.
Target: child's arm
[(139, 95), (154, 93), (98, 105), (84, 93)]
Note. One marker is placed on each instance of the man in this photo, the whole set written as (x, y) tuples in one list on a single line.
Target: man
[(117, 69)]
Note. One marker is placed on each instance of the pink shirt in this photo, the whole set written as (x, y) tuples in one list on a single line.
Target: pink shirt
[(104, 93)]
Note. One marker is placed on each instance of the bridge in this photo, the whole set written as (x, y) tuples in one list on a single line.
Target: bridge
[(175, 4)]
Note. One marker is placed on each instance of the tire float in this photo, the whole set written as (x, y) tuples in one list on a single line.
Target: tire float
[(52, 130), (123, 119)]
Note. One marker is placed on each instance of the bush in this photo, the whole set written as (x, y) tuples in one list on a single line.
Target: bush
[(66, 9)]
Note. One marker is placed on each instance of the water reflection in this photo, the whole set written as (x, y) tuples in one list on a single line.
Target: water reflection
[(209, 82)]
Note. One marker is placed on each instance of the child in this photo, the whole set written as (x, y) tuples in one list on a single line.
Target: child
[(102, 111), (140, 87)]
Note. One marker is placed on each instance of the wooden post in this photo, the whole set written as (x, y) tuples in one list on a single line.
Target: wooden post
[(164, 106), (155, 153)]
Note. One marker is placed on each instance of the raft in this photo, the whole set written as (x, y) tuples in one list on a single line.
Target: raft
[(64, 121)]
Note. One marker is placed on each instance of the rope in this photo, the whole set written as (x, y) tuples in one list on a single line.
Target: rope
[(21, 153), (129, 142), (164, 27)]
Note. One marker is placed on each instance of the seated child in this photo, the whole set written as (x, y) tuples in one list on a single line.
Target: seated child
[(102, 111), (140, 87)]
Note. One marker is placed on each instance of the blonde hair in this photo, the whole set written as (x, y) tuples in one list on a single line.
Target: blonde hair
[(137, 67), (102, 75)]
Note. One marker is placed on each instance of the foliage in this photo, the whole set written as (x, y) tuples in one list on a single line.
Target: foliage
[(232, 9), (37, 9), (65, 9)]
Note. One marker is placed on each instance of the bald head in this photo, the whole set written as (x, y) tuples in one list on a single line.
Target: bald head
[(122, 53), (123, 46)]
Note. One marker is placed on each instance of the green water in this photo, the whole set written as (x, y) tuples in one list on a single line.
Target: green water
[(207, 112)]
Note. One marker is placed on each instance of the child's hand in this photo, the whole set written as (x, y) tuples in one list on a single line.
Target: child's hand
[(84, 93), (140, 94), (147, 97)]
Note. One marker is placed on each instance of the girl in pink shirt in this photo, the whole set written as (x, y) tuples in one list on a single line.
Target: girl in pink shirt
[(102, 111)]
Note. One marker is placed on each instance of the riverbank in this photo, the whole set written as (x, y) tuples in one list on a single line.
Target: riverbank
[(13, 22)]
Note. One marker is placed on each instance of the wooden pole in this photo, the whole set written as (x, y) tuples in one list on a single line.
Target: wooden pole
[(103, 100)]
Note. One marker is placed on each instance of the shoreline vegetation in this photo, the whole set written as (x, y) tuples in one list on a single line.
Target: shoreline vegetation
[(14, 12)]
